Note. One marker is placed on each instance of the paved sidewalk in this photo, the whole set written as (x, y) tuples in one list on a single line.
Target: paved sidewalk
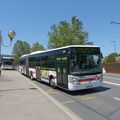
[(22, 100)]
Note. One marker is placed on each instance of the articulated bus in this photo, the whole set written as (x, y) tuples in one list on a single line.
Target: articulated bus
[(73, 67), (7, 63), (23, 67)]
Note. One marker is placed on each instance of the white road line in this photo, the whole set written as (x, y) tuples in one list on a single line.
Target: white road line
[(117, 98), (112, 78), (111, 83)]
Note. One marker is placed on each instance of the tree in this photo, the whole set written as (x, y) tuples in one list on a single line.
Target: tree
[(36, 46), (20, 48), (111, 58), (68, 34)]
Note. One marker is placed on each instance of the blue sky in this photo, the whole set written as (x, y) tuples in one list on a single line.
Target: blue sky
[(32, 19)]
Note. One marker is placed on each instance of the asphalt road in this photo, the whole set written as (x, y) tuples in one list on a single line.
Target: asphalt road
[(102, 103)]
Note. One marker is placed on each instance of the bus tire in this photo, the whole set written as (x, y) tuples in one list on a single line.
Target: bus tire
[(31, 76), (39, 79), (52, 83)]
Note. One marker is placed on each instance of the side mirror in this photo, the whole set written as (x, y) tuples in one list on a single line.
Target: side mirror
[(101, 55)]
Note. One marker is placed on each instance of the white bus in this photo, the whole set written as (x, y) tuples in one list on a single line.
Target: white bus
[(73, 67), (7, 63), (23, 67)]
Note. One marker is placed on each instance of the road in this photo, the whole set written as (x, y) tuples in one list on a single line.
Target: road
[(102, 103)]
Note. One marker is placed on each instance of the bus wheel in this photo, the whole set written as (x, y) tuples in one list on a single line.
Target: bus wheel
[(31, 76), (52, 83), (39, 79)]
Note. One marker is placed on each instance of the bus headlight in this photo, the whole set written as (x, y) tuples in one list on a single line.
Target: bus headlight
[(74, 80)]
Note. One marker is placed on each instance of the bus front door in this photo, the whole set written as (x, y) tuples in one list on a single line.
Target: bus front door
[(62, 80)]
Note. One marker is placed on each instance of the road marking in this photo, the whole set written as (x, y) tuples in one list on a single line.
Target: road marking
[(67, 102), (51, 91), (112, 78), (70, 113), (87, 98), (111, 83), (117, 98)]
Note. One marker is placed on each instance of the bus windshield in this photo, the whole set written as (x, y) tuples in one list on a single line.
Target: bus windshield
[(7, 62), (85, 63)]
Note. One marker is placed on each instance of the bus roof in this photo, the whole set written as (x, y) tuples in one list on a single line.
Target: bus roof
[(32, 53), (72, 46), (25, 55), (37, 52), (7, 57), (60, 48)]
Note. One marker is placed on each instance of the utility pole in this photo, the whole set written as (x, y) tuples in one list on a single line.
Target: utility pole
[(114, 46), (118, 23)]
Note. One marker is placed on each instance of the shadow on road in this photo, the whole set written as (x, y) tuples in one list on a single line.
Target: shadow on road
[(80, 92), (85, 92)]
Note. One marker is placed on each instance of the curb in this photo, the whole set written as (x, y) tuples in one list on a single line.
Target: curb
[(67, 111)]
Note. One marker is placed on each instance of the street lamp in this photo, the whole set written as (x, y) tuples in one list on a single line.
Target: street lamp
[(11, 35), (115, 22), (118, 23), (114, 45)]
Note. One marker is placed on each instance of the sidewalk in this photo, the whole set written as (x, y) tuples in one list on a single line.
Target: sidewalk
[(22, 100)]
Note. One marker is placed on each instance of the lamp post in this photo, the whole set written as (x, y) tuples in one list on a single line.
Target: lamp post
[(11, 35), (115, 22), (114, 45), (118, 23)]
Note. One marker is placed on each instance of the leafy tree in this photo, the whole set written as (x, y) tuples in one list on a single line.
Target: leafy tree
[(111, 58), (20, 48), (68, 34), (36, 46)]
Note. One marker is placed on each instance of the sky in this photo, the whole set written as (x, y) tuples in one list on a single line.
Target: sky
[(32, 19)]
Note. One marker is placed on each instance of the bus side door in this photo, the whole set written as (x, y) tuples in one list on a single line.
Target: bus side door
[(62, 78)]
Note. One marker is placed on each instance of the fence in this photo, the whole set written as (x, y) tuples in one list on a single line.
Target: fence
[(112, 67)]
